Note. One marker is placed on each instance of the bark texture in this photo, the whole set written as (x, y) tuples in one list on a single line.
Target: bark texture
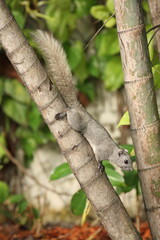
[(76, 149), (145, 125), (154, 6)]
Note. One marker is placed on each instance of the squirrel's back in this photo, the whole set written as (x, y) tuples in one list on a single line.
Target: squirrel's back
[(57, 66)]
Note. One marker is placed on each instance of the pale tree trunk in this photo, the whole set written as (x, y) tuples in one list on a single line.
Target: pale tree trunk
[(145, 125), (76, 149), (154, 6)]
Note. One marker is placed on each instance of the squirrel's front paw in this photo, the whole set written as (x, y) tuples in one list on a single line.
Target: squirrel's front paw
[(100, 166)]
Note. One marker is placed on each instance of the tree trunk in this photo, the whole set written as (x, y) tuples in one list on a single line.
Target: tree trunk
[(76, 149), (154, 6), (145, 127)]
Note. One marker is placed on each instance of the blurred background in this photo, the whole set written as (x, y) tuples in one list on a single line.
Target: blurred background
[(36, 184)]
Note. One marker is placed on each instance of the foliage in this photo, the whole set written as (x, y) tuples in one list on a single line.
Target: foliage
[(15, 207), (22, 122)]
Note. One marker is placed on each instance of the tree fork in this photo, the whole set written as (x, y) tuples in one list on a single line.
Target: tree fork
[(143, 111)]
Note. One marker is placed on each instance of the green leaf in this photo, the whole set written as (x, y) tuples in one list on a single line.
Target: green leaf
[(16, 198), (88, 89), (107, 164), (61, 171), (93, 66), (110, 23), (29, 146), (35, 213), (115, 178), (110, 5), (34, 118), (99, 12), (112, 75), (16, 90), (131, 178), (81, 71), (22, 206), (83, 7), (4, 192), (107, 43), (20, 18), (128, 147), (78, 202), (124, 120), (156, 75), (16, 111), (3, 143), (74, 55)]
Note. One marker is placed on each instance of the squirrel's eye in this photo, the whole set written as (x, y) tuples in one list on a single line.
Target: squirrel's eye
[(126, 161)]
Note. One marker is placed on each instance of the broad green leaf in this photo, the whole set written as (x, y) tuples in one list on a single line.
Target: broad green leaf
[(78, 202), (124, 120), (4, 192), (108, 165), (125, 189), (131, 178), (83, 7), (112, 75), (99, 12), (115, 178), (61, 171), (16, 111), (107, 43), (29, 146), (156, 75), (16, 90), (35, 213), (110, 23), (128, 147), (93, 66), (20, 18), (74, 55), (81, 71), (110, 5), (88, 89), (3, 144), (16, 198), (34, 118), (22, 206)]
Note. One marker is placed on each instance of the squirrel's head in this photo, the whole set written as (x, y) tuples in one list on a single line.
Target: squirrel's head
[(121, 158)]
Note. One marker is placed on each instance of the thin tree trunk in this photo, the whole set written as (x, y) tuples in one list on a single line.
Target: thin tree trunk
[(154, 6), (76, 149), (145, 125)]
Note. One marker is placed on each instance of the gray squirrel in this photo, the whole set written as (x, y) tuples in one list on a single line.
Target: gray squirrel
[(59, 72)]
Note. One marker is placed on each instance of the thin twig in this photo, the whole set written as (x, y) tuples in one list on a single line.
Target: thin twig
[(157, 26), (94, 234), (23, 170), (153, 36), (98, 31)]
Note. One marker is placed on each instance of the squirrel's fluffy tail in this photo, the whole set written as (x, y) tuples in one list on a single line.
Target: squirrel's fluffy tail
[(57, 66)]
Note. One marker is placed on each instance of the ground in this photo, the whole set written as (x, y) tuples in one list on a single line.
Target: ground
[(85, 232)]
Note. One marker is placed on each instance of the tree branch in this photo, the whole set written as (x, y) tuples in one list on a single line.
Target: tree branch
[(76, 149), (141, 99)]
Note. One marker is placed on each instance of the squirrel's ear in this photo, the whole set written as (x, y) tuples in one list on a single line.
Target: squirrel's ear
[(120, 152)]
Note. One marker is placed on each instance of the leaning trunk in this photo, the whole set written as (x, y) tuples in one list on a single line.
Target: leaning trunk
[(76, 149), (145, 125)]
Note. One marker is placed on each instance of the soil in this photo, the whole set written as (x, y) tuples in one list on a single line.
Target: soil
[(85, 232)]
